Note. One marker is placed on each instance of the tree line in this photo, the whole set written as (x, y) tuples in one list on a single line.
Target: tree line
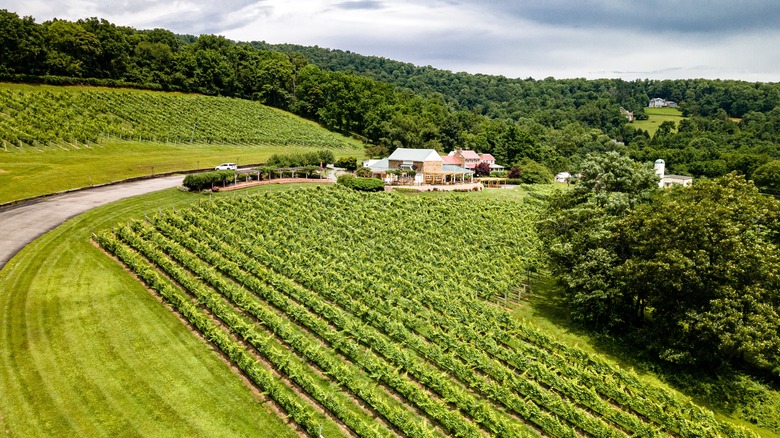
[(390, 104), (502, 97)]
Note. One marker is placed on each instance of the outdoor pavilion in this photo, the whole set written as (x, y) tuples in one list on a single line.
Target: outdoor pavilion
[(493, 182)]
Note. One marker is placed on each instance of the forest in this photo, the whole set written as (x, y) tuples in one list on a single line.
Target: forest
[(729, 125)]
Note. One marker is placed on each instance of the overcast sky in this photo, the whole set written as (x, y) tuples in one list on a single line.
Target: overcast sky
[(656, 39)]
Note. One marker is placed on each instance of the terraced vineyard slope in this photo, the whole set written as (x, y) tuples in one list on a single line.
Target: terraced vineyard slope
[(383, 315), (43, 116)]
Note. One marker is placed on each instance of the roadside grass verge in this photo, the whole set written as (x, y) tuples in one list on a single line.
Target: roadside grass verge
[(88, 351)]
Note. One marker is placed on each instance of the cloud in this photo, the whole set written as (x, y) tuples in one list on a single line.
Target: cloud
[(366, 4), (514, 38), (682, 17), (180, 16)]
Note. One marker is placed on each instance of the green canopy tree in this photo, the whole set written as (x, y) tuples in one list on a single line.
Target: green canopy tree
[(767, 177), (71, 49), (581, 229), (707, 263), (531, 172), (694, 273)]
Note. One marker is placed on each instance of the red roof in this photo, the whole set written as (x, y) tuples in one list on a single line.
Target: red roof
[(470, 155), (450, 159), (488, 157)]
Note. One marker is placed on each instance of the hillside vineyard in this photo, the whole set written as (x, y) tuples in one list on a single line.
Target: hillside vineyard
[(385, 315), (50, 116)]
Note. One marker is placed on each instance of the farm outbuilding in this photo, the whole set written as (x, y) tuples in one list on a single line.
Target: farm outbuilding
[(668, 180)]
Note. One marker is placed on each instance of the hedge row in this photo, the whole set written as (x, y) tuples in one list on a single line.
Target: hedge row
[(200, 181), (362, 184)]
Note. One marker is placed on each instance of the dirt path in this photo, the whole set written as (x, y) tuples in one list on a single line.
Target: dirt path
[(274, 181), (23, 223)]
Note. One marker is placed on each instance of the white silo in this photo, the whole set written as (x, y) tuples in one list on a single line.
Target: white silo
[(659, 170)]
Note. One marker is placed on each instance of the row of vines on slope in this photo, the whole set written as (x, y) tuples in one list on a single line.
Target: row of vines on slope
[(380, 309), (42, 117)]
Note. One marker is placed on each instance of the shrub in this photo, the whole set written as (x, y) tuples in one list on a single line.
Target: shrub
[(362, 184), (349, 163), (346, 180), (369, 184), (300, 160), (200, 181), (482, 169)]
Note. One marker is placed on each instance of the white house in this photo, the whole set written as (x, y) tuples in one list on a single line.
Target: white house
[(629, 114), (679, 180), (658, 102)]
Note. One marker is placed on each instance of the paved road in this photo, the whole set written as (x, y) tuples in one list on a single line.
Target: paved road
[(21, 224)]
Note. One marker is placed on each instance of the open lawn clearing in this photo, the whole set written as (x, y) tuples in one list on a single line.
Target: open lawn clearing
[(656, 116), (89, 351), (28, 172)]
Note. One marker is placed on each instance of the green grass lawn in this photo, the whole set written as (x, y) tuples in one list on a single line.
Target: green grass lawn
[(88, 351), (29, 172), (656, 116)]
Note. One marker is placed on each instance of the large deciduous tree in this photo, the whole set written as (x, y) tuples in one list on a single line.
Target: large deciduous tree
[(531, 172), (767, 177), (694, 272), (584, 242), (707, 261)]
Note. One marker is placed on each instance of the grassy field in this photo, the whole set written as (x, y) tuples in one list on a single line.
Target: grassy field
[(28, 172), (88, 351), (656, 116)]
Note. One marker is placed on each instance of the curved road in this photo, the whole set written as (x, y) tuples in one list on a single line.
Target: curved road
[(21, 224)]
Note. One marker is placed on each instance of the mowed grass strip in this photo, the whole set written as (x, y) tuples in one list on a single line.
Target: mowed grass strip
[(89, 351), (27, 172)]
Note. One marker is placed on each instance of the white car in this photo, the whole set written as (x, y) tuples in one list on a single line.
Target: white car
[(226, 166)]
